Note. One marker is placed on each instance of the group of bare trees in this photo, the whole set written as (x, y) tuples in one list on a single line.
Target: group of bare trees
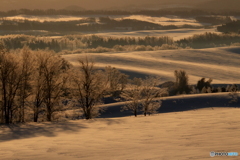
[(35, 84), (38, 82), (30, 82), (143, 94)]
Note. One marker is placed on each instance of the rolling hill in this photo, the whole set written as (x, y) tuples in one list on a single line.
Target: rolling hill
[(220, 64)]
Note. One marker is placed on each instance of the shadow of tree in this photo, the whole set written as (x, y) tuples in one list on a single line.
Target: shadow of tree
[(191, 103), (29, 130), (109, 121), (234, 50), (180, 103)]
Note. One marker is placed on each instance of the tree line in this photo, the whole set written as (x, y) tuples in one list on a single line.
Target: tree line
[(230, 27), (35, 86), (181, 85), (73, 42), (84, 25), (98, 44), (208, 40)]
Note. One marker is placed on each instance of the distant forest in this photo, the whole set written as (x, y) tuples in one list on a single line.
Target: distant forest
[(230, 27), (101, 24), (85, 25), (163, 12), (97, 44)]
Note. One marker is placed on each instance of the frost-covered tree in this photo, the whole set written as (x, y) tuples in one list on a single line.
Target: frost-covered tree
[(38, 85), (150, 91), (54, 77), (89, 85), (116, 80), (132, 94), (143, 93), (10, 80), (27, 69)]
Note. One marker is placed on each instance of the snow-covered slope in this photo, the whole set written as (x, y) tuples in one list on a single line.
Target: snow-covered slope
[(186, 127), (220, 64), (173, 135), (176, 34)]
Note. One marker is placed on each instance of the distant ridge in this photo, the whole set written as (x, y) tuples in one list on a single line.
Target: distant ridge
[(74, 8), (223, 5), (93, 4)]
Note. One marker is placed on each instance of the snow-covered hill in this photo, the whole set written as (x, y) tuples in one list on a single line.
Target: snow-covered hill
[(186, 126), (170, 135), (220, 64)]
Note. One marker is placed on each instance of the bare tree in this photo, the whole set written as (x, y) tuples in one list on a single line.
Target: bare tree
[(38, 83), (38, 94), (150, 91), (10, 79), (90, 84), (52, 71), (143, 92), (26, 71), (116, 80), (132, 94)]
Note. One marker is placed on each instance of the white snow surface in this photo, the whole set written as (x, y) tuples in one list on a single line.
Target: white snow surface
[(165, 20), (176, 34), (220, 64), (203, 123), (173, 135)]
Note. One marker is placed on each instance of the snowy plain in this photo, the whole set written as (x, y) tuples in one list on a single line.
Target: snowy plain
[(176, 34), (220, 64), (211, 125), (164, 20), (186, 127)]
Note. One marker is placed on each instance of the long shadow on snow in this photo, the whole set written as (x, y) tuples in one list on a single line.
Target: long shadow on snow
[(191, 103), (234, 50), (178, 104), (29, 130)]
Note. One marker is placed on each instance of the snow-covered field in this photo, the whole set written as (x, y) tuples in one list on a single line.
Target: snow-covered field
[(163, 20), (176, 34), (173, 135), (186, 127), (220, 64), (45, 18), (166, 20)]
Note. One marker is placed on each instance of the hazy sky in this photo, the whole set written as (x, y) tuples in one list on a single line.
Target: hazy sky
[(88, 4)]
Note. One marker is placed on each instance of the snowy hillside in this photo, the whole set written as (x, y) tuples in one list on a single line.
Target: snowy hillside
[(220, 64), (173, 135)]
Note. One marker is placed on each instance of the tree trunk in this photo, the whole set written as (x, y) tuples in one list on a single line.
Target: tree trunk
[(2, 118), (135, 113), (145, 113), (22, 111), (88, 114), (49, 117), (49, 112), (35, 118), (35, 115), (6, 115)]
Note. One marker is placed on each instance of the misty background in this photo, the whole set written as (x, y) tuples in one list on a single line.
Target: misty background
[(119, 4)]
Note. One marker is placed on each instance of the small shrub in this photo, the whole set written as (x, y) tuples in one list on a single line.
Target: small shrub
[(202, 83)]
